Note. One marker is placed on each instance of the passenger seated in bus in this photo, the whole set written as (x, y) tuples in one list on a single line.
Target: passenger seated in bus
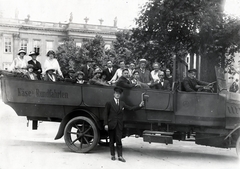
[(103, 78), (161, 84), (96, 80), (144, 73), (88, 70), (70, 74), (50, 75), (51, 63), (135, 80), (19, 64), (79, 77), (168, 76), (124, 82), (191, 84), (30, 74), (109, 71), (118, 73), (154, 72), (37, 68)]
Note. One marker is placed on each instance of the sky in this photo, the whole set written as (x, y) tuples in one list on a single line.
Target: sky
[(59, 10)]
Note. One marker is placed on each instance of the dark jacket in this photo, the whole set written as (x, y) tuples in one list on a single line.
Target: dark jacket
[(36, 67), (124, 83), (189, 84), (113, 114), (108, 74), (159, 86), (144, 77), (88, 73)]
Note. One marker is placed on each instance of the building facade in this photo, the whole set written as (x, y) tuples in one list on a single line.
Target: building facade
[(16, 34)]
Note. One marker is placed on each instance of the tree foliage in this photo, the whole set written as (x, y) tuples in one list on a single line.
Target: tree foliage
[(71, 56), (177, 27)]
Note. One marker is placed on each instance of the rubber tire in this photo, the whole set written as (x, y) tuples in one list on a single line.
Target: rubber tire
[(68, 138)]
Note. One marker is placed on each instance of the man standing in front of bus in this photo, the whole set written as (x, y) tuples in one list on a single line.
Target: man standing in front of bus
[(113, 121)]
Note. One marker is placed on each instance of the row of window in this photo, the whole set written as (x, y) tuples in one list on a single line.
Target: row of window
[(8, 44)]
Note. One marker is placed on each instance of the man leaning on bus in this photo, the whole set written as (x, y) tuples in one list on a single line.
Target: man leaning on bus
[(191, 84), (113, 121)]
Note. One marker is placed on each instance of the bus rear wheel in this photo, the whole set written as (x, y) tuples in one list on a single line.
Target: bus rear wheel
[(81, 134)]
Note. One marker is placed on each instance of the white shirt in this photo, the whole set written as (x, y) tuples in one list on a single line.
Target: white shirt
[(154, 75), (116, 101), (51, 64), (117, 75), (18, 63)]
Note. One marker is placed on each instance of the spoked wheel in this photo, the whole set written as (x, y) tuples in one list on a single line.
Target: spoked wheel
[(238, 147), (81, 134)]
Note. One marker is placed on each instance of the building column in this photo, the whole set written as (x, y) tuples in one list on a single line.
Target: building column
[(16, 44)]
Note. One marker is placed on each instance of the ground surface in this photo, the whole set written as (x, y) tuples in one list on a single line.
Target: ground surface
[(23, 148)]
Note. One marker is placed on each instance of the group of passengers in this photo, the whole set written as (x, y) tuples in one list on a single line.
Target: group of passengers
[(126, 76)]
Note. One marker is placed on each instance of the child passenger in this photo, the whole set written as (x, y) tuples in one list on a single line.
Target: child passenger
[(30, 74)]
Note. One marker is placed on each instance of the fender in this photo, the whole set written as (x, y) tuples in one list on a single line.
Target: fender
[(75, 113), (235, 129)]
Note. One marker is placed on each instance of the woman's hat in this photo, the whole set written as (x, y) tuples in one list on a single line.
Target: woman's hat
[(98, 70), (21, 51), (29, 66), (50, 52), (32, 53), (50, 70)]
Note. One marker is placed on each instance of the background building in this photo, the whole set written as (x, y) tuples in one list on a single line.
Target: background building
[(27, 34)]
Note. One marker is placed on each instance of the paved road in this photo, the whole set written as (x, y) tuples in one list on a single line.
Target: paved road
[(23, 148)]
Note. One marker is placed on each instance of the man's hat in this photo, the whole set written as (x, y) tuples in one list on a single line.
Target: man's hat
[(32, 53), (21, 51), (79, 73), (192, 70), (142, 61), (118, 89)]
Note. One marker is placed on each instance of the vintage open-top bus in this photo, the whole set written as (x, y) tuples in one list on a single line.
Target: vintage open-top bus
[(212, 118)]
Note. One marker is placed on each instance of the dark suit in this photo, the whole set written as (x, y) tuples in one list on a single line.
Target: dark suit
[(124, 83), (36, 67), (88, 73), (160, 86), (108, 74), (113, 117), (189, 84)]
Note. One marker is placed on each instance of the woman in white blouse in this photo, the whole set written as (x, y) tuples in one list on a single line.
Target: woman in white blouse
[(51, 63), (19, 64)]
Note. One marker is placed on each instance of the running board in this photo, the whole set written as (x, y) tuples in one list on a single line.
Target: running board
[(157, 137)]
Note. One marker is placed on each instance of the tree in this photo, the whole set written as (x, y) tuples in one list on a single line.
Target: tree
[(95, 49), (70, 56), (177, 27), (123, 47)]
